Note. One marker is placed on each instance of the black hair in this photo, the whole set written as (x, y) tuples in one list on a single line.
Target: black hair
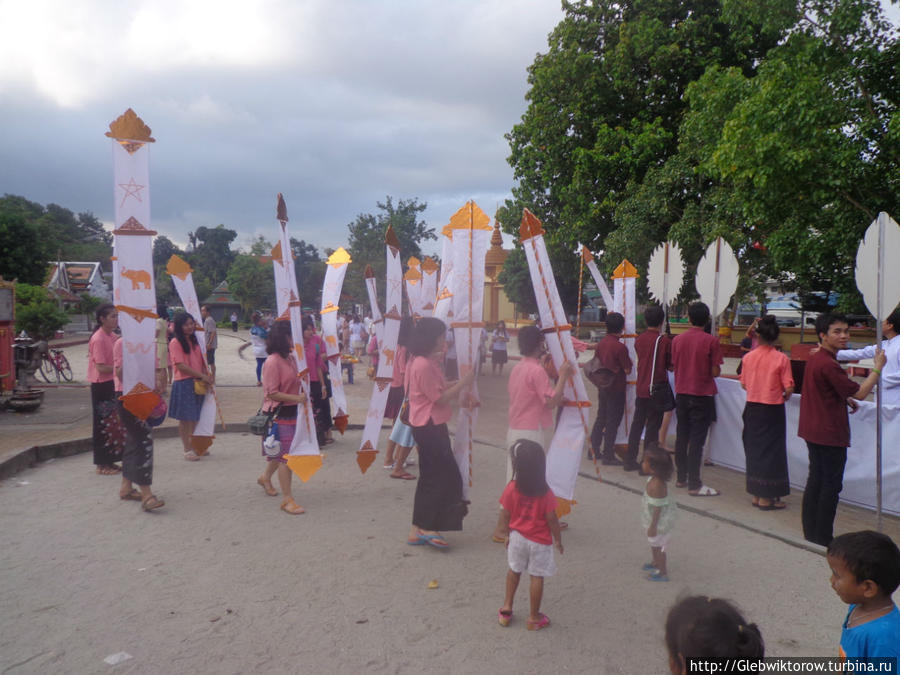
[(426, 335), (307, 322), (615, 322), (529, 468), (162, 311), (497, 327), (825, 321), (702, 627), (660, 462), (698, 313), (869, 555), (530, 339), (178, 330), (279, 340), (767, 329), (102, 312), (894, 319), (406, 327), (654, 316)]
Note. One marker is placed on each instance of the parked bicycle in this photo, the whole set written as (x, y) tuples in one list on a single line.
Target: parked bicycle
[(54, 366)]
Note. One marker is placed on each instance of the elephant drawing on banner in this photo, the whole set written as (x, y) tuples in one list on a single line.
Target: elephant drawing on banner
[(331, 341), (389, 356), (137, 277)]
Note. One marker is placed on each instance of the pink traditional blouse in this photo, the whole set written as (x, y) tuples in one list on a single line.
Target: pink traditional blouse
[(529, 389), (279, 374), (425, 385), (177, 355), (315, 357), (399, 367), (765, 374), (100, 350)]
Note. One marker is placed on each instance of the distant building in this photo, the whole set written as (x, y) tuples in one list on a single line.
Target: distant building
[(497, 307), (68, 280), (222, 303)]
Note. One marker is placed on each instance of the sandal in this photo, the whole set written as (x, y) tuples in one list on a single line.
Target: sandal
[(776, 505), (705, 491), (267, 486), (292, 507), (657, 576), (504, 617), (108, 469), (680, 484), (540, 624), (134, 496), (403, 476), (191, 456), (151, 503)]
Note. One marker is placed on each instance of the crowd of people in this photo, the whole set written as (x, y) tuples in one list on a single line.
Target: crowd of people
[(425, 390)]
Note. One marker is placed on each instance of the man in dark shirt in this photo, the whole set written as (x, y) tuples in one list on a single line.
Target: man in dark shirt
[(697, 360), (613, 356), (645, 345), (825, 426)]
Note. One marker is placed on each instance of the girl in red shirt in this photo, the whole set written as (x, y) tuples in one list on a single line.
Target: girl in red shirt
[(528, 512)]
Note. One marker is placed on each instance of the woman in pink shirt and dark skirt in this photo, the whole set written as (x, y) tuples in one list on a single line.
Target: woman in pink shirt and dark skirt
[(766, 375), (438, 503), (188, 365), (100, 375)]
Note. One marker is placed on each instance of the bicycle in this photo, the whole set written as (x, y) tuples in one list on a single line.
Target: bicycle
[(55, 365)]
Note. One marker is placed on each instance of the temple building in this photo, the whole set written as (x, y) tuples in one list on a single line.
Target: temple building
[(497, 307)]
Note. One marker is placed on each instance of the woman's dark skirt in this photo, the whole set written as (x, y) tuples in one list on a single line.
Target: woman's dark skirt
[(498, 357), (438, 504), (184, 404), (321, 410), (766, 450), (137, 460), (394, 401), (105, 416)]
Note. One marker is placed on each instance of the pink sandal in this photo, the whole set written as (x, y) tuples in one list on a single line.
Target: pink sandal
[(543, 622), (504, 617)]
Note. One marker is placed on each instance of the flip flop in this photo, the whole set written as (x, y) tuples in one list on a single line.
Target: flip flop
[(404, 476), (503, 618), (151, 503), (134, 496), (418, 541), (540, 624), (435, 540), (705, 491), (191, 456), (774, 506), (498, 540), (656, 576), (649, 567)]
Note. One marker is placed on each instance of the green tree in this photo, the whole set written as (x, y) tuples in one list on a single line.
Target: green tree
[(22, 255), (309, 268), (211, 254), (366, 241), (260, 246), (252, 283), (36, 313)]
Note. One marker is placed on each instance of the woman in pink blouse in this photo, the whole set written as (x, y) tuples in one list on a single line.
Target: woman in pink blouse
[(314, 346), (281, 387), (401, 439), (766, 375), (188, 365), (100, 375), (438, 503)]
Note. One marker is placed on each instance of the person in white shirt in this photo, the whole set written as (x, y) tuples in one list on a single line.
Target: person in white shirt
[(890, 375)]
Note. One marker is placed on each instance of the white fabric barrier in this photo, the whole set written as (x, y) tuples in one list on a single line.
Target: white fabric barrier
[(727, 447)]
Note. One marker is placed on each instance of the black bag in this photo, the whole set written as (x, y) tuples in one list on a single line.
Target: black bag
[(600, 377), (661, 397), (261, 422)]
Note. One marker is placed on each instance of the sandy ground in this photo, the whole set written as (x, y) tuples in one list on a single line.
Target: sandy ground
[(221, 581)]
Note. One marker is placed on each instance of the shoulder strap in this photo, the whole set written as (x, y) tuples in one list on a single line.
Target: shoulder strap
[(653, 367)]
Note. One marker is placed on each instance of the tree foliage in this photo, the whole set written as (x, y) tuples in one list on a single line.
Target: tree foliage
[(366, 241), (36, 313), (252, 283), (309, 268), (771, 123)]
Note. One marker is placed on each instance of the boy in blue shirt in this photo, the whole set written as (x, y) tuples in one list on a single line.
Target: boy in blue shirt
[(865, 571)]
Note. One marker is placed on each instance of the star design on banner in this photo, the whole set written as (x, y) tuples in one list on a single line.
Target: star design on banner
[(132, 189)]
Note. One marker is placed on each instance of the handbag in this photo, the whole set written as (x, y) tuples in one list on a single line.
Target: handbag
[(200, 387), (260, 424), (404, 411), (600, 377), (661, 397)]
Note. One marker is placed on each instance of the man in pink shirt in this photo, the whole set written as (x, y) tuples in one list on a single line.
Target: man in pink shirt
[(697, 359)]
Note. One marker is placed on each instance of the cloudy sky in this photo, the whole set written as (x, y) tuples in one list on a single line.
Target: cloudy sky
[(335, 103)]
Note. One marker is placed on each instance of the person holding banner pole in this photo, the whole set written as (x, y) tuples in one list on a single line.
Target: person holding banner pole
[(438, 503), (100, 375), (188, 366), (890, 376)]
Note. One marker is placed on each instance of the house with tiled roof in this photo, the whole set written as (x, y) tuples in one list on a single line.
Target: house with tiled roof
[(68, 280), (222, 303)]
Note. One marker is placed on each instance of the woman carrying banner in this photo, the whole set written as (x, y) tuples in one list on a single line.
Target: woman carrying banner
[(100, 375), (766, 375), (281, 387), (318, 387), (438, 503), (188, 367)]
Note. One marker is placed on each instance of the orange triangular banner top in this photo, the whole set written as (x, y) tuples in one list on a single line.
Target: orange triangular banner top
[(530, 227), (413, 275), (390, 238), (564, 506), (586, 254), (470, 216), (140, 401), (339, 257), (364, 459), (178, 267), (428, 265), (305, 466), (625, 270)]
